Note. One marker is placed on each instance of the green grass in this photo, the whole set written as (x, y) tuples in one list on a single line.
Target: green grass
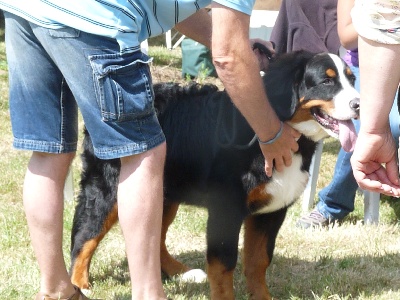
[(164, 57), (350, 261)]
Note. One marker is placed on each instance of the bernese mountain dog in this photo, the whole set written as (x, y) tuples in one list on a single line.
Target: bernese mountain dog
[(214, 161)]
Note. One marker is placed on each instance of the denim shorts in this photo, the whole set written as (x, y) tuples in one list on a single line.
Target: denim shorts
[(52, 73)]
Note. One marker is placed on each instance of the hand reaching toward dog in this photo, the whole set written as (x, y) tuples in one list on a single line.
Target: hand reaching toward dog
[(279, 153), (374, 163)]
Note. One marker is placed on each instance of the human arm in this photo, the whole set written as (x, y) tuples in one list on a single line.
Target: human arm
[(197, 27), (238, 68), (347, 34), (374, 159)]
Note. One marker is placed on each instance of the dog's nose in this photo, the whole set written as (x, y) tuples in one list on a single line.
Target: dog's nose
[(355, 105)]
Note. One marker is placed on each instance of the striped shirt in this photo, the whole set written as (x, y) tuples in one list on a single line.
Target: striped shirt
[(128, 21)]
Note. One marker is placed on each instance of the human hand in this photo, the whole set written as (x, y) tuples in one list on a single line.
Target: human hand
[(279, 153), (374, 163), (263, 58)]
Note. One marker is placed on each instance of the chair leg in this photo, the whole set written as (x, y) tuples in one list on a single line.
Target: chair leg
[(371, 207), (309, 192), (168, 39)]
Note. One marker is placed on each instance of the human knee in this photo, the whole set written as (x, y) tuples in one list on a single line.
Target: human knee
[(55, 163), (151, 160), (53, 157), (156, 154)]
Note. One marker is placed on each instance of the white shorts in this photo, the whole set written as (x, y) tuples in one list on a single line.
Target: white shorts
[(377, 20)]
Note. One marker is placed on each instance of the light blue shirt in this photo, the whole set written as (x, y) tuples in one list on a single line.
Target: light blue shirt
[(128, 21)]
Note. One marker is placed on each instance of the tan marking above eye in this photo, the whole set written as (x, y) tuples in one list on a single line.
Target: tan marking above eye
[(316, 102), (348, 71), (331, 73)]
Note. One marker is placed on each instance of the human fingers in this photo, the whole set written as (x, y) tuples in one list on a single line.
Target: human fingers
[(273, 155), (279, 153), (376, 181), (369, 182), (389, 178), (289, 144), (376, 186), (268, 167), (279, 163), (288, 158), (294, 146), (393, 171)]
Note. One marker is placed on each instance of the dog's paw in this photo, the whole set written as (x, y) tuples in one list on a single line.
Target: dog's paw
[(86, 292), (195, 275)]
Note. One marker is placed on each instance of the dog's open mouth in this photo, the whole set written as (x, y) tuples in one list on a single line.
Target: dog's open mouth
[(342, 129), (325, 120)]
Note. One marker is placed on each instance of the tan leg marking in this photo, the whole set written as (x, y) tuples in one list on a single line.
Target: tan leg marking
[(80, 270), (255, 261), (221, 281), (169, 265)]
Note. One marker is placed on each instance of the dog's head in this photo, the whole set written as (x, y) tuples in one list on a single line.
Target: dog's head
[(315, 94)]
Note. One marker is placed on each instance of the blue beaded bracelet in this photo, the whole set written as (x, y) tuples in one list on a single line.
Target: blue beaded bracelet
[(277, 136)]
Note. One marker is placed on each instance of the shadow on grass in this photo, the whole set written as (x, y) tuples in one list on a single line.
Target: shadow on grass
[(293, 278), (117, 272), (349, 277)]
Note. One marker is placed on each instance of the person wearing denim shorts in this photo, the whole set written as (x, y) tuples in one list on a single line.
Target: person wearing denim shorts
[(43, 90), (65, 55)]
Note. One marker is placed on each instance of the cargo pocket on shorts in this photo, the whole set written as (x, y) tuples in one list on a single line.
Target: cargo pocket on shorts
[(123, 86)]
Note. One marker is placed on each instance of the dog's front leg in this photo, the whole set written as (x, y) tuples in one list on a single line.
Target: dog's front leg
[(223, 230), (259, 243), (221, 280)]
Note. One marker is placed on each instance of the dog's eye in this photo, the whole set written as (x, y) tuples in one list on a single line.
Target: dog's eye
[(328, 81)]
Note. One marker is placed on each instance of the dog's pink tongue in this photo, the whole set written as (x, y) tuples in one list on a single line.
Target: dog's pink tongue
[(347, 135)]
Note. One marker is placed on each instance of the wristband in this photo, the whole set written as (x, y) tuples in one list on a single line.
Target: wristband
[(277, 136)]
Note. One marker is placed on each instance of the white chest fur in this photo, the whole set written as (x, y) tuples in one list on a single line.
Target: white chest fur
[(286, 186)]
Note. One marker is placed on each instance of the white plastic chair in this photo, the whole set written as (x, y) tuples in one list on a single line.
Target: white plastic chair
[(169, 38)]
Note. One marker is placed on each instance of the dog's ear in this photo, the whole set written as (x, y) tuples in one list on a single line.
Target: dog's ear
[(263, 50), (264, 55), (284, 81), (300, 65)]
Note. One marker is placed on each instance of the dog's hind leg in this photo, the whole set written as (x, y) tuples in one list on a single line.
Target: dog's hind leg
[(259, 243), (85, 242), (96, 211), (169, 265)]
